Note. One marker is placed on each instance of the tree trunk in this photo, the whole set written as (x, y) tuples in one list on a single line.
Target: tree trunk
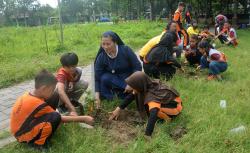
[(235, 11)]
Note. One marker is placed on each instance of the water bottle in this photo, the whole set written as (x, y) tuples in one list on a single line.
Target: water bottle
[(223, 103)]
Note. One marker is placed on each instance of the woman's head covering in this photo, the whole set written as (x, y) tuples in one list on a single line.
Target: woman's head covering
[(150, 90), (115, 38), (168, 39), (169, 25), (163, 51)]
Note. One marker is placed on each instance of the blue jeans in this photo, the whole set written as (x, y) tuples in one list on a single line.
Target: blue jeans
[(215, 67), (110, 85)]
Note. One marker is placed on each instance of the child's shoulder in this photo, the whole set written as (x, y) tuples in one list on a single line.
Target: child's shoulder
[(27, 101)]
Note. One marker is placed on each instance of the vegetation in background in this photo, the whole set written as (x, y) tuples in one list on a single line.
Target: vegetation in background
[(23, 51)]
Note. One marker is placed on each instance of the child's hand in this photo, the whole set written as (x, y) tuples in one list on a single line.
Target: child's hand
[(115, 114), (89, 120), (73, 113), (128, 89)]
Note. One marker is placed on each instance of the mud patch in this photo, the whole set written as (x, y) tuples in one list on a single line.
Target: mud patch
[(178, 132), (122, 131)]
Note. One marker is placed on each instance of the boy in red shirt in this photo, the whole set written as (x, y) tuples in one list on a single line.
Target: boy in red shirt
[(69, 87)]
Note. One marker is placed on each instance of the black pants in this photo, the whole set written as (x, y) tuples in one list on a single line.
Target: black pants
[(194, 59), (222, 39), (166, 70)]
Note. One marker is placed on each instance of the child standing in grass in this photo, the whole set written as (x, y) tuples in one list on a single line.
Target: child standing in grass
[(212, 59), (158, 100), (32, 120), (69, 87), (180, 29), (192, 54)]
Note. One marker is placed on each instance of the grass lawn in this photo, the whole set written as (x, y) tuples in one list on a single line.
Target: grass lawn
[(208, 126), (23, 51)]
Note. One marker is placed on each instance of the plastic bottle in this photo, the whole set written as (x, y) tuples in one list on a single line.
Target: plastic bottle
[(223, 103)]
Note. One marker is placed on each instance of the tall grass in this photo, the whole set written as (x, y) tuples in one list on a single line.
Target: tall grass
[(23, 51)]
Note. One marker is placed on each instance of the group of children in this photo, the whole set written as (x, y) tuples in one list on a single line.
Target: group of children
[(202, 54), (37, 114)]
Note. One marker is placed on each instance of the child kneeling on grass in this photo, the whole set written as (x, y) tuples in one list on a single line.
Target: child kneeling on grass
[(69, 86), (192, 54), (206, 34), (228, 35), (212, 59), (32, 120), (158, 100)]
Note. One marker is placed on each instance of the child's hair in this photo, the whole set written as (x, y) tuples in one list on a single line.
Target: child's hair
[(195, 37), (181, 4), (44, 78), (69, 59), (205, 44), (206, 27), (193, 22)]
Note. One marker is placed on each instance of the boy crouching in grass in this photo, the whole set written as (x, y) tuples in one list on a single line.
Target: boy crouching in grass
[(69, 86), (32, 120)]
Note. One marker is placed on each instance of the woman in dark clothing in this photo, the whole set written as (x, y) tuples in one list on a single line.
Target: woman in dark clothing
[(160, 60), (114, 63), (156, 99)]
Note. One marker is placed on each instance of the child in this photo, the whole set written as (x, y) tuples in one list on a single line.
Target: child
[(212, 59), (153, 97), (206, 34), (32, 120), (193, 29), (192, 54), (231, 34), (188, 17), (228, 35), (69, 87), (180, 29)]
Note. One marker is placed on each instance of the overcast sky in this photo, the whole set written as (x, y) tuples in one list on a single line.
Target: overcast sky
[(52, 3)]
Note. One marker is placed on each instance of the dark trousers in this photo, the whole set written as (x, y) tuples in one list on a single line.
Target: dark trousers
[(74, 95), (112, 85), (215, 67), (223, 39)]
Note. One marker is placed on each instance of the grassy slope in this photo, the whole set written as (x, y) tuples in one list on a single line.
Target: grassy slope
[(23, 50), (208, 125)]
